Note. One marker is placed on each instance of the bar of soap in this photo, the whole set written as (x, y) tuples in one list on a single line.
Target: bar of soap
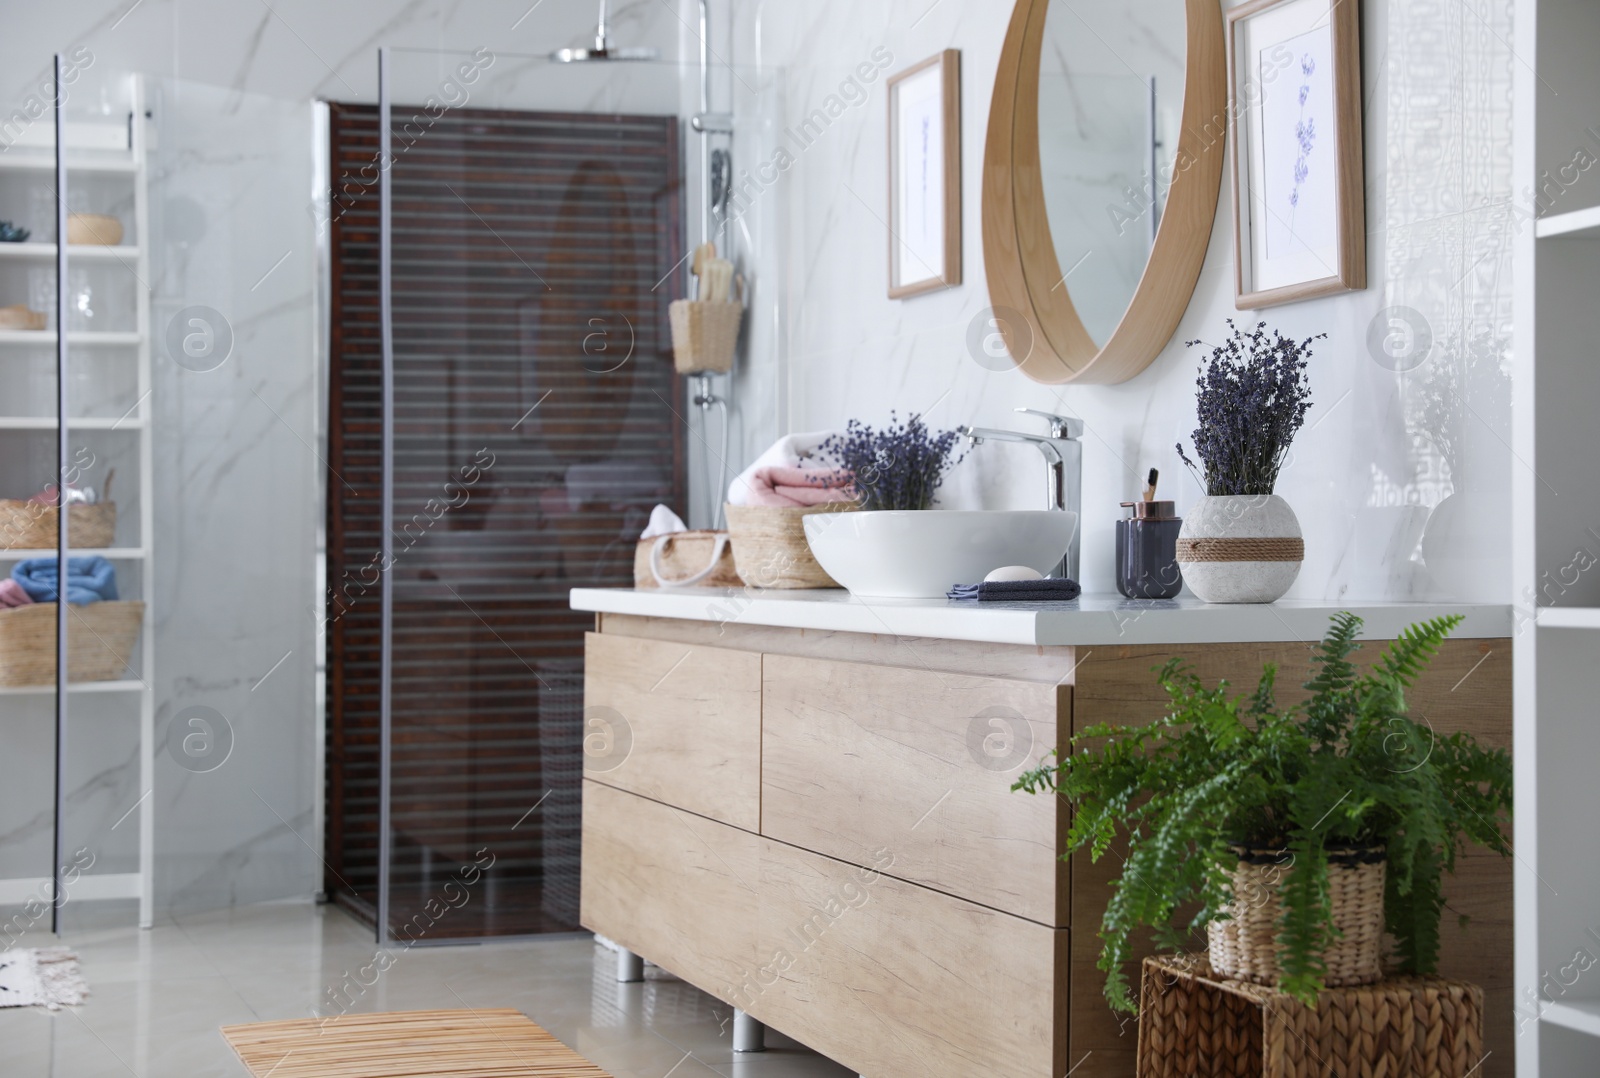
[(1013, 572)]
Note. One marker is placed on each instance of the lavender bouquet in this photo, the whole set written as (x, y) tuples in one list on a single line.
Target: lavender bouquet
[(898, 467), (1253, 398)]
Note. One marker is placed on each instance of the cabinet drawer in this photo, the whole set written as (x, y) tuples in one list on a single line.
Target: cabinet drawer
[(675, 722), (672, 886), (889, 978), (858, 758), (881, 975)]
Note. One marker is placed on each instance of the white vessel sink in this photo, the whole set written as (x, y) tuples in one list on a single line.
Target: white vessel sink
[(905, 554)]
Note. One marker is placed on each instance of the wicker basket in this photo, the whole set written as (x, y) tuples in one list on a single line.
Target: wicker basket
[(683, 560), (704, 335), (95, 229), (1245, 948), (1192, 1023), (100, 638), (32, 526), (770, 548)]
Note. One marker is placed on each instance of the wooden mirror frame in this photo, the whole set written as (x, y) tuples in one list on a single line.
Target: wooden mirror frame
[(1049, 342)]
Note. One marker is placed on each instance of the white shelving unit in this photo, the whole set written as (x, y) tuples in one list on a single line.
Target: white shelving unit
[(123, 172), (1556, 537)]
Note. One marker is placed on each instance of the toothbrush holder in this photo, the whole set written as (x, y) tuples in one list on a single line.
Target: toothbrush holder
[(1147, 551)]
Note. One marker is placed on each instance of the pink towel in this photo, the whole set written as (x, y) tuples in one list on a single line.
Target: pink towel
[(11, 594), (780, 484)]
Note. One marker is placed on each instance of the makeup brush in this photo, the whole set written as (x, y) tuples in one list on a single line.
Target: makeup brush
[(1150, 486)]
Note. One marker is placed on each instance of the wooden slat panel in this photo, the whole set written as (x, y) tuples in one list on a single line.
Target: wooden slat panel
[(858, 757), (1468, 687), (690, 724), (889, 978), (511, 230), (681, 890)]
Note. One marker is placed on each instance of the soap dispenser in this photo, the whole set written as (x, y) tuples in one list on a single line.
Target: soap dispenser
[(1147, 548)]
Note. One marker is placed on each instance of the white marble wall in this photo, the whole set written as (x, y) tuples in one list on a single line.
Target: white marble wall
[(1378, 465)]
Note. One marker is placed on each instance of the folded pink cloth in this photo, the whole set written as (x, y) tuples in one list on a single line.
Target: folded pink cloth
[(12, 594), (781, 484)]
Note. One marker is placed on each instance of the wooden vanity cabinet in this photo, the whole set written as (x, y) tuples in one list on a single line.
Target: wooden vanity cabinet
[(818, 828)]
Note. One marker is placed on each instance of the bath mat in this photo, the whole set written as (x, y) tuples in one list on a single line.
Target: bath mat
[(41, 977), (402, 1044)]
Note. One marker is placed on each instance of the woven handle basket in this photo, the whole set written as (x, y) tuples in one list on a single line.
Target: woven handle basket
[(1245, 946), (685, 560)]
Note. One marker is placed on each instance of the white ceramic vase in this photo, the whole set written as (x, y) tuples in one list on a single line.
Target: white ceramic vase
[(1243, 548)]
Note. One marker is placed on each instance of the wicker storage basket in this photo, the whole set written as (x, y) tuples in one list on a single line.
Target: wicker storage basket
[(100, 638), (1193, 1023), (32, 526), (20, 316), (704, 334), (1244, 947), (97, 229), (770, 548), (685, 559)]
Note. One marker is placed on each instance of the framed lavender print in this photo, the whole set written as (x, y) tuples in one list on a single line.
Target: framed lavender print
[(925, 176), (1294, 128)]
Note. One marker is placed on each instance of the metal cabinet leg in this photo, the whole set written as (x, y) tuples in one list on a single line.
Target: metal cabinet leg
[(630, 967), (748, 1034)]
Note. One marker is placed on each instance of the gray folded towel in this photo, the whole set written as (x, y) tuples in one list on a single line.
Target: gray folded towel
[(1050, 589)]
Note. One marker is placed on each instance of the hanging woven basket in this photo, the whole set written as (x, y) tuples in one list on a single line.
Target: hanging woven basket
[(705, 334), (1244, 947)]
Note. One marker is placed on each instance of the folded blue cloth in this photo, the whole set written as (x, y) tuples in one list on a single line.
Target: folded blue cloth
[(89, 580), (1050, 589)]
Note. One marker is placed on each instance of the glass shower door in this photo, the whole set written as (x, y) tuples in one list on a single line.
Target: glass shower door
[(532, 255), (181, 776)]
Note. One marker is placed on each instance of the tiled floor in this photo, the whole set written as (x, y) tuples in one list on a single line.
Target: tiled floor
[(158, 998)]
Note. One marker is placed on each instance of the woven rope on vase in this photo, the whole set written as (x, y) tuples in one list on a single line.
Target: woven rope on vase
[(1228, 548)]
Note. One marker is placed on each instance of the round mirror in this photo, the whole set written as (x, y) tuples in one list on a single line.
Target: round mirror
[(1101, 175)]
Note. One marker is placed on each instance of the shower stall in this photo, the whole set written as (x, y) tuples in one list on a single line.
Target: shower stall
[(346, 424), (504, 414)]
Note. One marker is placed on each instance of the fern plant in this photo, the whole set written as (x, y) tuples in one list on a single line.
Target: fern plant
[(1347, 768)]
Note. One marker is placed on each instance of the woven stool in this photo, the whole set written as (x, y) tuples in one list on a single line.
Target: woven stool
[(1193, 1024)]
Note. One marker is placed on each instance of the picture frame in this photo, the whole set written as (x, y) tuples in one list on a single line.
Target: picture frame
[(925, 176), (1295, 155)]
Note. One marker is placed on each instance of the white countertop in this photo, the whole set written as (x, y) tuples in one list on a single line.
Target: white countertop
[(1089, 620)]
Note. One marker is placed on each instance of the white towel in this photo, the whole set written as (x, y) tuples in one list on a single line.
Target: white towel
[(790, 451), (663, 521)]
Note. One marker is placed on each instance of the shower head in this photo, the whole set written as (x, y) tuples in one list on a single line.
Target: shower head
[(602, 49)]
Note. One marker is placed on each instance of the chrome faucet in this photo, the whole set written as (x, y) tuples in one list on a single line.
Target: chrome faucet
[(1063, 458)]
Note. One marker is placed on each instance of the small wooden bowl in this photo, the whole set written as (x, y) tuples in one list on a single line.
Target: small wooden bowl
[(19, 316), (95, 229)]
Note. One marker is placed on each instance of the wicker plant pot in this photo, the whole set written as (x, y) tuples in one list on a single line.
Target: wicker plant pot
[(100, 639), (32, 526), (770, 548), (1244, 947)]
